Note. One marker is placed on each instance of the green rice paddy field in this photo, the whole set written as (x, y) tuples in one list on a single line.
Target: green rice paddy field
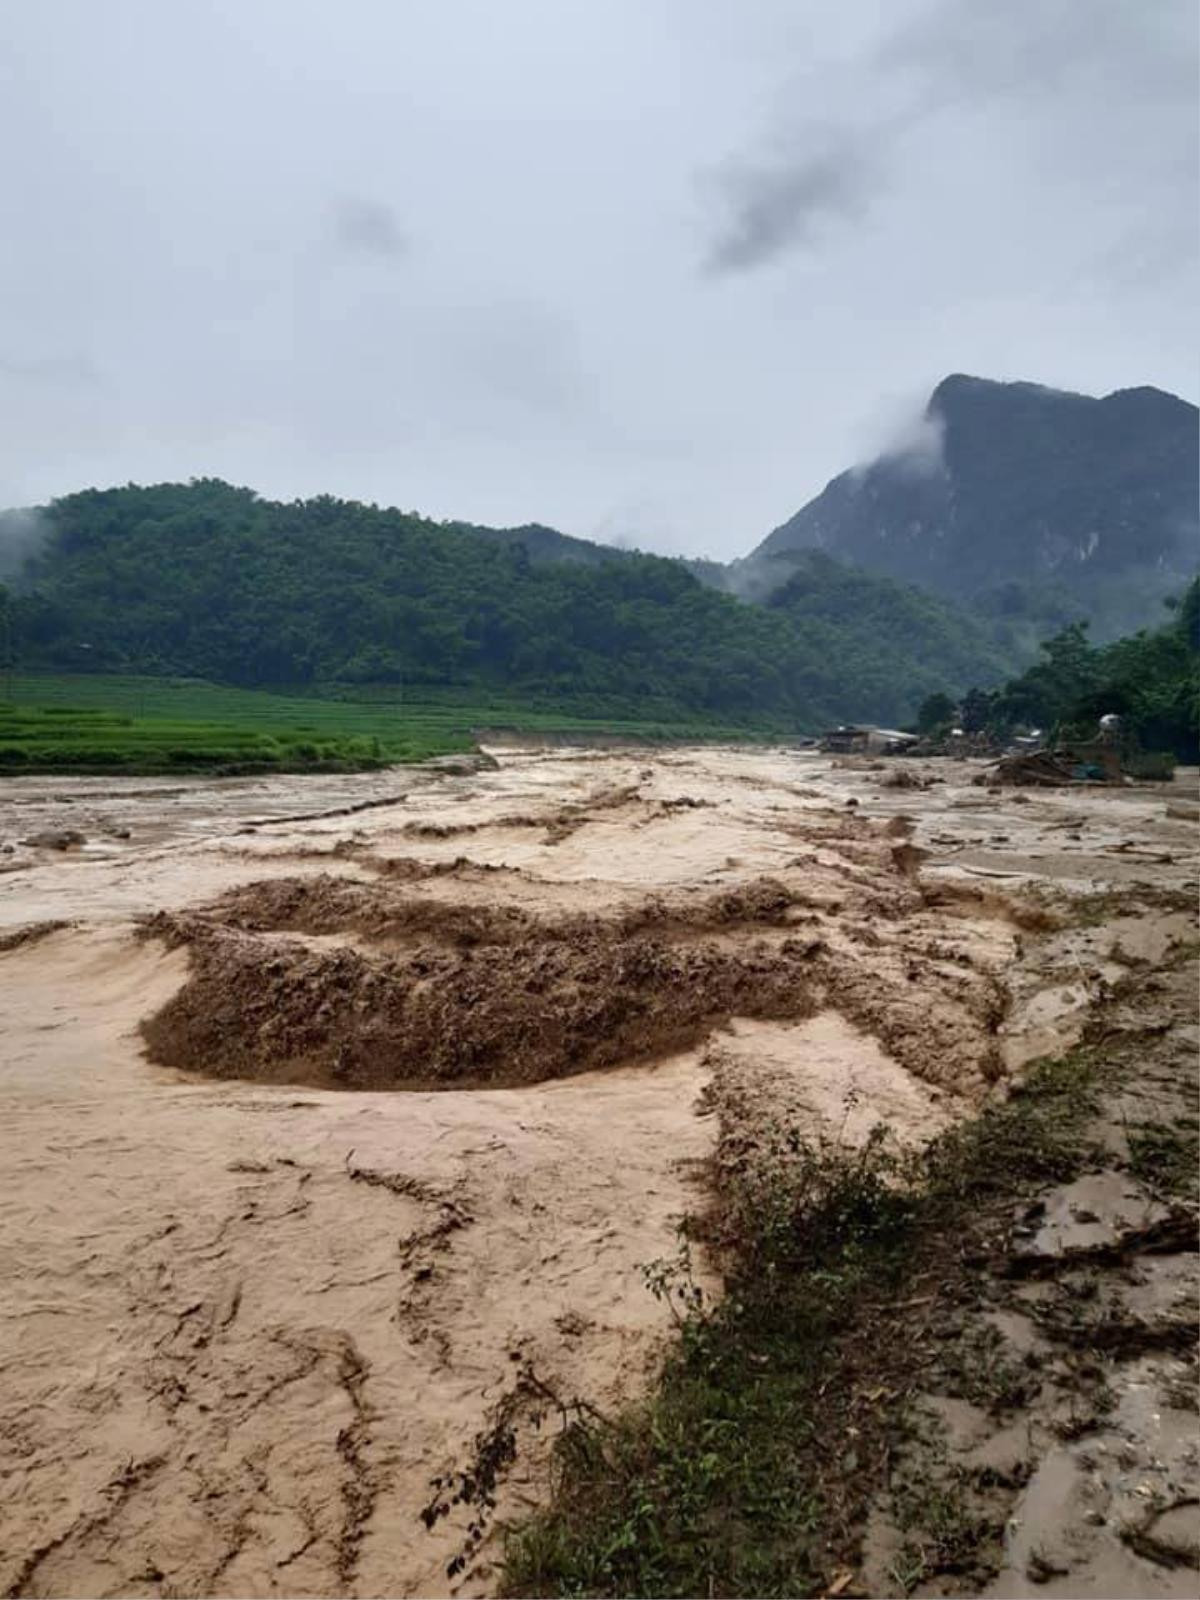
[(80, 723)]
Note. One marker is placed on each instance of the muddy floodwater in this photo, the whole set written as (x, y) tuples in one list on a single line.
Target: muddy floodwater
[(336, 1110)]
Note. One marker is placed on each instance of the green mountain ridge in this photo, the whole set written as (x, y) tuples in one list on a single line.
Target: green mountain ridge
[(935, 568), (208, 580)]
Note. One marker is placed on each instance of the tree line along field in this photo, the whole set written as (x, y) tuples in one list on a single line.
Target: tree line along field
[(144, 725), (205, 580)]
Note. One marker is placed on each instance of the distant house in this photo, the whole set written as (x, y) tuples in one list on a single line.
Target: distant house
[(859, 740)]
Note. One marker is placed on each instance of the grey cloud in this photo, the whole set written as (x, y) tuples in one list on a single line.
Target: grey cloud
[(773, 208), (1025, 47), (919, 448), (368, 227), (449, 257), (900, 427), (48, 369), (1108, 88)]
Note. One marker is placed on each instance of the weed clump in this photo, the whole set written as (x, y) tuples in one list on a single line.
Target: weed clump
[(732, 1478), (1166, 1159), (750, 1468)]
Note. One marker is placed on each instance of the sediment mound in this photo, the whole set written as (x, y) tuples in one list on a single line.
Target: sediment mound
[(500, 1014), (326, 904), (437, 993), (385, 912)]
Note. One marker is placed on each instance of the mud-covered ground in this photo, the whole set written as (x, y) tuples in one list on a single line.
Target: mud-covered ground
[(341, 1116)]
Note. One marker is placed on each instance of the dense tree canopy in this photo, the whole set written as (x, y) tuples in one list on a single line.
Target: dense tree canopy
[(1150, 679), (210, 580), (902, 643)]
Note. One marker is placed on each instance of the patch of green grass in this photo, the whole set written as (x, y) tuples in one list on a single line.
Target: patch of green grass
[(749, 1468), (722, 1482), (945, 1529), (1157, 766), (1036, 1137), (978, 1367), (111, 722), (87, 739)]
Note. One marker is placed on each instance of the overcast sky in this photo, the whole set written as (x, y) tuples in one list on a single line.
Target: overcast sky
[(647, 270)]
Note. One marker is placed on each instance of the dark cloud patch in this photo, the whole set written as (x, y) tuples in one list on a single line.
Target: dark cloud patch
[(1025, 48), (776, 207), (1108, 88), (369, 228)]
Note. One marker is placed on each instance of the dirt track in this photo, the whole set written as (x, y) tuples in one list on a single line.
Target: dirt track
[(333, 1148)]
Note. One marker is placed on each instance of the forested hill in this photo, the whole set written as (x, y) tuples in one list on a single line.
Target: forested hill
[(207, 580), (1026, 501), (543, 544), (822, 593)]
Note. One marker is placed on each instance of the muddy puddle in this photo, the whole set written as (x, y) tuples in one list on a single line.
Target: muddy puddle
[(341, 1116)]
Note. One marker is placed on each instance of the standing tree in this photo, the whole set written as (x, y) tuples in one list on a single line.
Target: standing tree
[(937, 711)]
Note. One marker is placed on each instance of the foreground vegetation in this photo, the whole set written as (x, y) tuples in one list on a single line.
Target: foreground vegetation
[(131, 724), (211, 581), (778, 1417)]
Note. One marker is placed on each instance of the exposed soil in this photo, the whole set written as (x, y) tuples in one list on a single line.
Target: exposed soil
[(277, 1300), (1052, 1443)]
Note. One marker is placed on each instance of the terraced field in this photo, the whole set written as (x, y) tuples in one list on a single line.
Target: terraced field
[(135, 725)]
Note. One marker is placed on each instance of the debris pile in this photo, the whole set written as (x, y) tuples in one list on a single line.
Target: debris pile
[(1056, 768)]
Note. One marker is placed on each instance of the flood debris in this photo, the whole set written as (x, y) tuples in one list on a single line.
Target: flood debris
[(1049, 769), (1098, 761), (56, 839), (907, 778)]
